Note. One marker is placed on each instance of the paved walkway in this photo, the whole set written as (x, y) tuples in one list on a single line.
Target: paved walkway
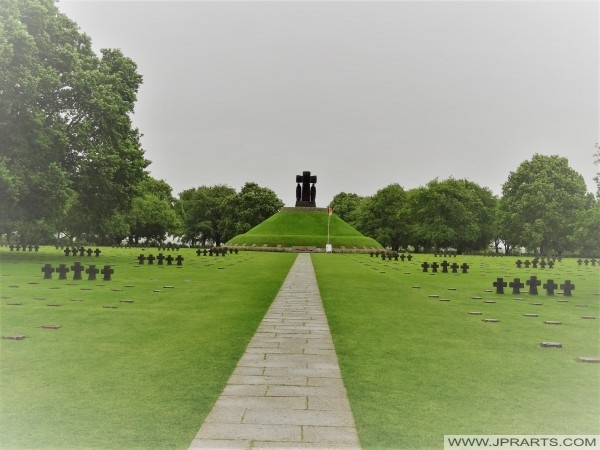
[(287, 390)]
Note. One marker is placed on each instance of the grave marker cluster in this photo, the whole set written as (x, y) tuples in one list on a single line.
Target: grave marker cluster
[(533, 284), (78, 269)]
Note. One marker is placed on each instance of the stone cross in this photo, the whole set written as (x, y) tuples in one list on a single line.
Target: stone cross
[(62, 271), (92, 271), (159, 259), (305, 194), (445, 266), (169, 260), (77, 269), (434, 267), (151, 259), (454, 267), (533, 283), (97, 252), (550, 286), (499, 284), (141, 259), (464, 267), (89, 252), (516, 286), (519, 263), (107, 271), (425, 266), (179, 260), (567, 287), (48, 270), (527, 264)]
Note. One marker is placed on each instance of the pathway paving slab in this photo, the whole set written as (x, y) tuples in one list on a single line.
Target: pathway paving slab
[(287, 390)]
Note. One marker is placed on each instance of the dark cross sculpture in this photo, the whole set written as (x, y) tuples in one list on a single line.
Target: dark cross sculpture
[(150, 259), (107, 271), (499, 284), (533, 283), (92, 271), (464, 267), (527, 263), (97, 252), (434, 267), (159, 259), (67, 251), (89, 252), (305, 194), (425, 266), (48, 270), (179, 260), (62, 271), (567, 288), (454, 267), (550, 286), (402, 256), (519, 263), (169, 260), (550, 264), (141, 259), (409, 257), (516, 286), (77, 269), (445, 265)]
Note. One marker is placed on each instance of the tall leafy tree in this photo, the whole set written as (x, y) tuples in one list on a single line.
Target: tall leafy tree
[(383, 216), (248, 208), (452, 213), (541, 202), (67, 145), (346, 205)]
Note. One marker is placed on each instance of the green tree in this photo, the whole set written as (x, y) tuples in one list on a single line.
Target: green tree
[(69, 152), (248, 208), (540, 205), (587, 233), (153, 214), (452, 214), (345, 205), (202, 211), (383, 216)]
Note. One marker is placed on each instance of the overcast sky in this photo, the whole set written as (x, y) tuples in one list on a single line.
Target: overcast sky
[(362, 94)]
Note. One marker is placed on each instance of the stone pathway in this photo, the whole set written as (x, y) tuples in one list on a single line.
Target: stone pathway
[(287, 389)]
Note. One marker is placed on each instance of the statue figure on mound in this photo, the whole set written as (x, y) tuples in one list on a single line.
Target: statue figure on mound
[(305, 194)]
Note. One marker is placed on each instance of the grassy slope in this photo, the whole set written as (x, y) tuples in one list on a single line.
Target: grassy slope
[(293, 228), (417, 368), (143, 375)]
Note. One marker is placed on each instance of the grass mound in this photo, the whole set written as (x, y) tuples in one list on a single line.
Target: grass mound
[(304, 228)]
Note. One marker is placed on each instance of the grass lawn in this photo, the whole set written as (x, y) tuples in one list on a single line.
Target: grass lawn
[(417, 368), (142, 375)]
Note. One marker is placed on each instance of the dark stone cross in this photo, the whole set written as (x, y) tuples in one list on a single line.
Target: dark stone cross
[(97, 252), (425, 266), (542, 264), (527, 263), (550, 286), (533, 283), (81, 251), (179, 260), (499, 284), (92, 271), (464, 267), (151, 259), (198, 252), (77, 269), (550, 264), (519, 263), (107, 271), (89, 252), (62, 271), (402, 256), (434, 267), (567, 287), (534, 263), (141, 259), (516, 286), (67, 251), (159, 259), (169, 260), (48, 271), (454, 267), (306, 194), (445, 266), (409, 257)]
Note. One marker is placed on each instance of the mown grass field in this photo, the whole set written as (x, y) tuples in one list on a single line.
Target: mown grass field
[(417, 368), (145, 374)]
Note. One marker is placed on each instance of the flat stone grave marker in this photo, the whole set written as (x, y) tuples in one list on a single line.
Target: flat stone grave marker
[(126, 300), (416, 287), (536, 304), (434, 296), (588, 317), (551, 344), (54, 304), (490, 301), (14, 304), (110, 306), (475, 313), (492, 320), (14, 337), (531, 315), (51, 326), (553, 322), (588, 359), (476, 297), (519, 298)]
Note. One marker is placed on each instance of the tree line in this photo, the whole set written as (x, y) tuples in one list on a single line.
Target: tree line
[(72, 166), (544, 208)]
